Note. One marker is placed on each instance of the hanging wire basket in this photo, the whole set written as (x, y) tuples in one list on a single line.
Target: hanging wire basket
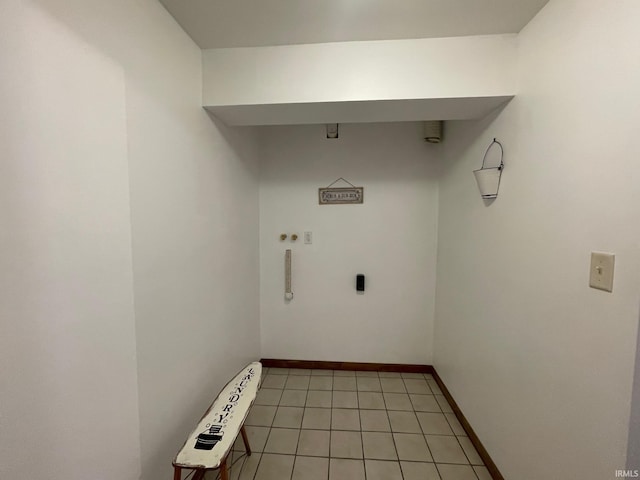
[(488, 178)]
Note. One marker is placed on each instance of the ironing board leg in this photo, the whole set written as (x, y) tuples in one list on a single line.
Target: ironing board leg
[(224, 473), (199, 475), (245, 439)]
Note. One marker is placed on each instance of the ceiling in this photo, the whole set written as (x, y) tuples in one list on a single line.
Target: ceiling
[(256, 23)]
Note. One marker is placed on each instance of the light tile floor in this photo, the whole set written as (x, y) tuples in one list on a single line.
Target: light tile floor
[(342, 425)]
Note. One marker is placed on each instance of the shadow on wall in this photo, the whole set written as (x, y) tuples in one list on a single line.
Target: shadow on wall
[(467, 138), (117, 29), (236, 138), (179, 157), (633, 448), (364, 153)]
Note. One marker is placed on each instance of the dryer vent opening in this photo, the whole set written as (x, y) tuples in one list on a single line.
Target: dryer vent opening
[(432, 131)]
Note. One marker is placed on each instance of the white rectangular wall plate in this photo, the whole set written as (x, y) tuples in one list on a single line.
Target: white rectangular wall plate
[(601, 273), (308, 238)]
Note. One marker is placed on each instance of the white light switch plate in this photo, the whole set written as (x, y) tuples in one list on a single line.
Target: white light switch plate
[(601, 273)]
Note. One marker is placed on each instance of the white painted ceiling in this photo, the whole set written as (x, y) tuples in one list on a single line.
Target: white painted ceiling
[(253, 23)]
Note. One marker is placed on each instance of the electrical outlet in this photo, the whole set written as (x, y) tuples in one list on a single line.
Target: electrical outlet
[(308, 238), (601, 273)]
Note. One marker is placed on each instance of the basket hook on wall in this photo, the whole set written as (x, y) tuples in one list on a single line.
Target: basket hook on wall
[(488, 178)]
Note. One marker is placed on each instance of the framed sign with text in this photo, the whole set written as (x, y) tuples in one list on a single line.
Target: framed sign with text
[(340, 196)]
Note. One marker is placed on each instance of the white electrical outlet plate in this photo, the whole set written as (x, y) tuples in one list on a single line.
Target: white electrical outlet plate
[(601, 273), (308, 238)]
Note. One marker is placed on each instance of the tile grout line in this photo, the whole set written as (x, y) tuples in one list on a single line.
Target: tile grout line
[(269, 435), (331, 424), (393, 438), (364, 460), (418, 419), (295, 452), (421, 429)]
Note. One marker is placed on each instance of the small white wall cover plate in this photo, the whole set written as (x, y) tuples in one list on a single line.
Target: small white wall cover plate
[(601, 272), (308, 238)]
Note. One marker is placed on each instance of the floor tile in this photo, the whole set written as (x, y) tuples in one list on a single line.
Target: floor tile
[(470, 451), (319, 399), (446, 449), (278, 371), (362, 373), (288, 417), (456, 472), (434, 386), (299, 371), (243, 468), (367, 384), (310, 468), (321, 383), (412, 375), (293, 398), (379, 470), (378, 446), (321, 372), (261, 416), (482, 473), (434, 423), (393, 385), (416, 385), (257, 439), (265, 370), (424, 403), (404, 422), (412, 446), (374, 421), (344, 419), (317, 418), (274, 381), (314, 443), (344, 373), (344, 383), (428, 376), (455, 424), (342, 469), (389, 375), (419, 471), (282, 440), (297, 382), (274, 467), (268, 396), (444, 405), (371, 400), (345, 400), (397, 401), (346, 444)]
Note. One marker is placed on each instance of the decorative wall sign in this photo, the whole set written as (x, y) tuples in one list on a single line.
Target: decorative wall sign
[(340, 195)]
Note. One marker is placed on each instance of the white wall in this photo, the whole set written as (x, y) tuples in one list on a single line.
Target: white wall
[(479, 66), (391, 238), (540, 363), (68, 394), (116, 182), (194, 212)]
